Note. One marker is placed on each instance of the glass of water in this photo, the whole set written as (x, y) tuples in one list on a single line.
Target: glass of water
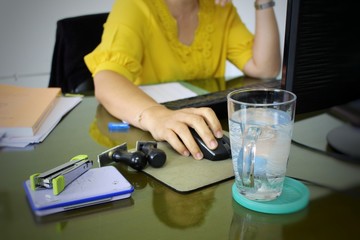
[(260, 127)]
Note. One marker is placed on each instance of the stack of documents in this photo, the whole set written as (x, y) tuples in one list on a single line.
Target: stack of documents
[(28, 115)]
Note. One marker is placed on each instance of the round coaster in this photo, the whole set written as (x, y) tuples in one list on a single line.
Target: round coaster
[(294, 197)]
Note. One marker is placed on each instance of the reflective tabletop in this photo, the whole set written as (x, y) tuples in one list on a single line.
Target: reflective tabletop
[(155, 211)]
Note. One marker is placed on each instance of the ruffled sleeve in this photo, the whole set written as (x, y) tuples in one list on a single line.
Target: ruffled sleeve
[(240, 42), (116, 52), (116, 61)]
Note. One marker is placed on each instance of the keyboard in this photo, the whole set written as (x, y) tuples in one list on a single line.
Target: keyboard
[(216, 100)]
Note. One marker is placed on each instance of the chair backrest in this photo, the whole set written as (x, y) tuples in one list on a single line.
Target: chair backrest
[(75, 37)]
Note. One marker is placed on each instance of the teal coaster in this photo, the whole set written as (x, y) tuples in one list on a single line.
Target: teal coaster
[(294, 197)]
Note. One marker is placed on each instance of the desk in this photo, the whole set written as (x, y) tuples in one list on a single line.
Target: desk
[(156, 212)]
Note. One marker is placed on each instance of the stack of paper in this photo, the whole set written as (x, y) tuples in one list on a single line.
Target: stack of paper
[(22, 110), (27, 115), (166, 92)]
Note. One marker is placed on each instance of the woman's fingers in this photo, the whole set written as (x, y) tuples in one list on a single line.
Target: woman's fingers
[(173, 127)]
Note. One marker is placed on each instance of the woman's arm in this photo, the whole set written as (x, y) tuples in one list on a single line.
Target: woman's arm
[(126, 101), (266, 59)]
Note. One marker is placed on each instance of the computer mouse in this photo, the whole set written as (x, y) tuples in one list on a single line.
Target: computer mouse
[(222, 152)]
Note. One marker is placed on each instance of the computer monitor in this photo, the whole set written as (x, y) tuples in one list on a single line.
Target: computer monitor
[(321, 62)]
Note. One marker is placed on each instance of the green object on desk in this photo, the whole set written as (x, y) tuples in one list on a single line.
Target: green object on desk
[(294, 197), (58, 184)]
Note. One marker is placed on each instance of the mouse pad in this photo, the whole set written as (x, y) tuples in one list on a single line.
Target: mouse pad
[(185, 174)]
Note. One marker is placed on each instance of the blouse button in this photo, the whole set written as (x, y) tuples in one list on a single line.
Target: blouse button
[(208, 45), (210, 28), (207, 53)]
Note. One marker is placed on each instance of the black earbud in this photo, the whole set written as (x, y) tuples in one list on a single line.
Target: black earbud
[(137, 160), (156, 157)]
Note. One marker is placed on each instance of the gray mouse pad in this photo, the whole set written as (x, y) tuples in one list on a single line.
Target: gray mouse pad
[(185, 174)]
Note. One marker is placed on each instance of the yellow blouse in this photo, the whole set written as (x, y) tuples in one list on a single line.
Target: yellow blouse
[(140, 42)]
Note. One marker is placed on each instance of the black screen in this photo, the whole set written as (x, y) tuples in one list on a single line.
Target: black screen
[(321, 62)]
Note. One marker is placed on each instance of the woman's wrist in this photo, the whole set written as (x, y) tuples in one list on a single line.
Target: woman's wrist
[(264, 4), (140, 118)]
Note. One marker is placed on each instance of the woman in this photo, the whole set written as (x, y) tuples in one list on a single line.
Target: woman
[(154, 41)]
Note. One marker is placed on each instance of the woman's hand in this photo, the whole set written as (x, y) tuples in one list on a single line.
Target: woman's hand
[(173, 126), (125, 101)]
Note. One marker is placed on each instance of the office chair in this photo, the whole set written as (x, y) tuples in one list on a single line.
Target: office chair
[(75, 37)]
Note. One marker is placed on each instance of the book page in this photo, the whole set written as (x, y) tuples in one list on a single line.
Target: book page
[(166, 92)]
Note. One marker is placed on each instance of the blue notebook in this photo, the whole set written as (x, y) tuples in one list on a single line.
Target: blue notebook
[(96, 186)]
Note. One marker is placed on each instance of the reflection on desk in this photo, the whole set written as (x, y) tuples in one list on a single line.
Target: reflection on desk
[(100, 133), (156, 211)]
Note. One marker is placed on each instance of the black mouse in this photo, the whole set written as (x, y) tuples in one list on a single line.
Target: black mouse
[(222, 152)]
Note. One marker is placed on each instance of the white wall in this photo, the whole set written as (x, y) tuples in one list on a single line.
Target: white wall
[(27, 34)]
